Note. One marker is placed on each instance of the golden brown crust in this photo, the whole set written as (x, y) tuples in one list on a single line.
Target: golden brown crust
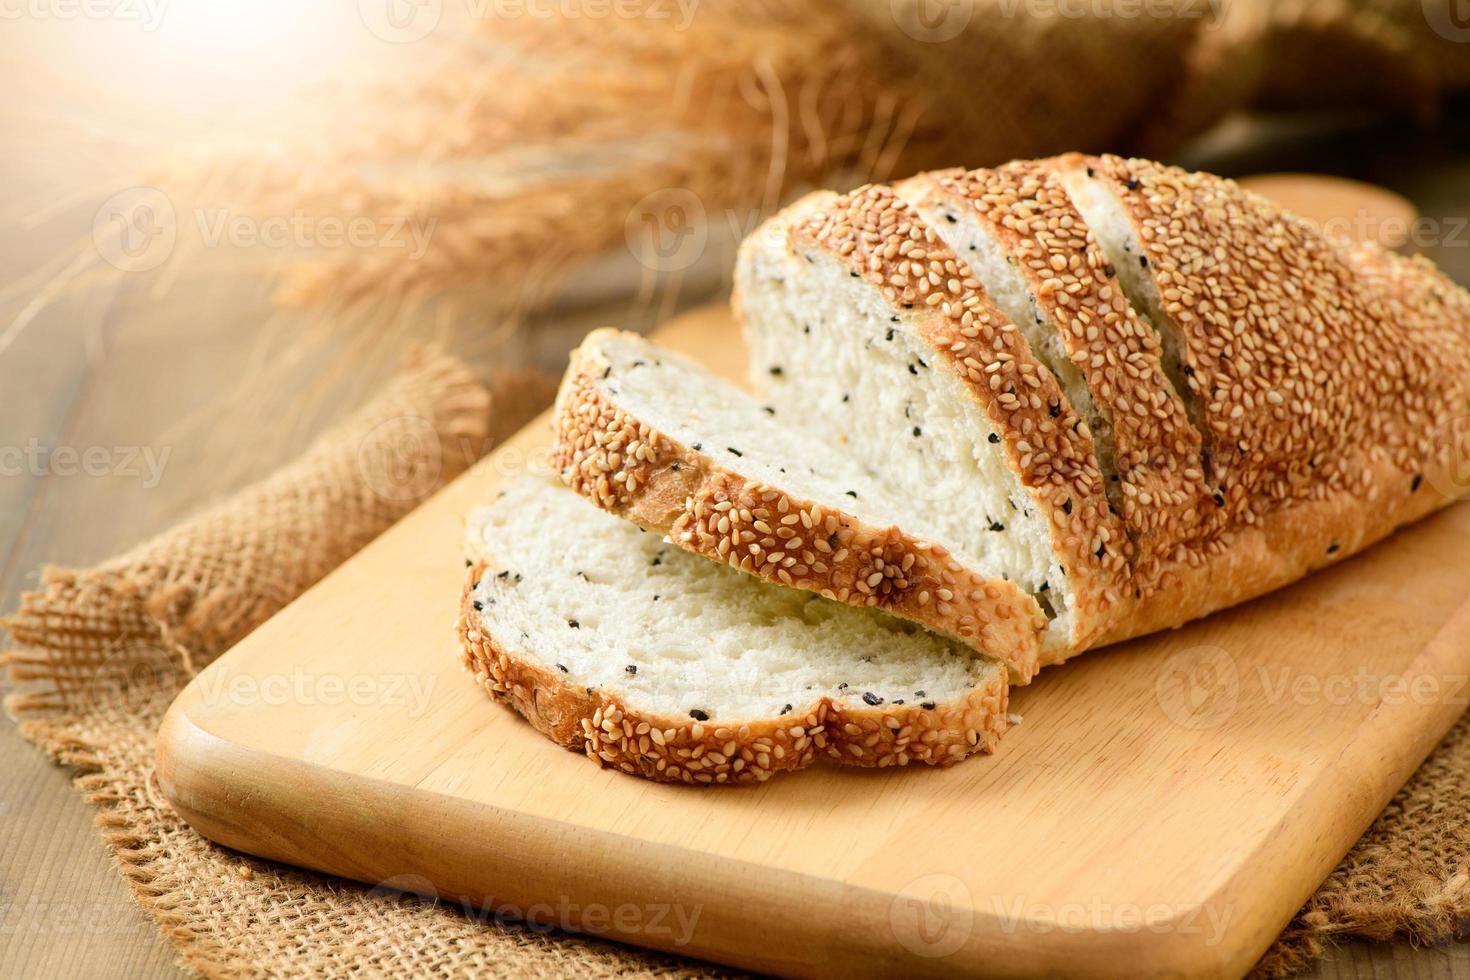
[(631, 469), (616, 734), (883, 240), (1331, 377), (1146, 439)]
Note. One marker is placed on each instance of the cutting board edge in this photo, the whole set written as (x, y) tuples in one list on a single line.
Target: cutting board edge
[(187, 755)]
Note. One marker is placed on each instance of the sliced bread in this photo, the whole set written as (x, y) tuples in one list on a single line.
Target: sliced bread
[(666, 665), (878, 330), (653, 437)]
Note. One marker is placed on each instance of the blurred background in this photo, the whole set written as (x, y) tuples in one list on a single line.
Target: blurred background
[(223, 224)]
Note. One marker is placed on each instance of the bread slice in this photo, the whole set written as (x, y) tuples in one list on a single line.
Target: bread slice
[(666, 665), (879, 330), (651, 436), (1026, 243)]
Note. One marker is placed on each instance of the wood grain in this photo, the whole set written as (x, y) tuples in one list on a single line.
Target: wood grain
[(1171, 801)]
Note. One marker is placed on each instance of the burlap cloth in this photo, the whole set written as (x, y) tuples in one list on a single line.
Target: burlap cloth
[(107, 649)]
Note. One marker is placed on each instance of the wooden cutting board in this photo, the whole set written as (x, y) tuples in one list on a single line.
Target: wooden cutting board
[(1164, 808)]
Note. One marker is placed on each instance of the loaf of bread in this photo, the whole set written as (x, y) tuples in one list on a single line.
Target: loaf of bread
[(1034, 410), (1171, 394), (667, 665)]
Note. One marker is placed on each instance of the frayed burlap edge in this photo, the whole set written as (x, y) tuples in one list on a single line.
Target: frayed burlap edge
[(108, 648)]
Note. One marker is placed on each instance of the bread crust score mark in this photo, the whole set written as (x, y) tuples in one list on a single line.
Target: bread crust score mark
[(617, 735), (881, 238), (630, 469)]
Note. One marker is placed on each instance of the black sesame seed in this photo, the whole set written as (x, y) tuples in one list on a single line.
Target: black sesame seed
[(1067, 505), (786, 710), (478, 605), (997, 526), (913, 370), (842, 686), (733, 451), (918, 432), (889, 335), (1055, 409), (1418, 480), (468, 563), (993, 438), (1333, 548), (1109, 271), (1143, 261), (563, 668), (606, 371), (1219, 500), (1132, 183), (697, 446), (1091, 172), (1043, 587), (768, 410), (951, 219), (927, 705), (869, 698), (845, 397), (806, 328), (776, 370), (1102, 549), (504, 575), (657, 560), (699, 714), (632, 668), (574, 624), (898, 700), (638, 363)]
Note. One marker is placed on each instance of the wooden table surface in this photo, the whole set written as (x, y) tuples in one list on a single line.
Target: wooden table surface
[(137, 376)]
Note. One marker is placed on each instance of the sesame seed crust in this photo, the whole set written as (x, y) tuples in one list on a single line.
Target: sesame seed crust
[(616, 734), (1146, 438), (935, 296), (629, 468), (1295, 363)]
